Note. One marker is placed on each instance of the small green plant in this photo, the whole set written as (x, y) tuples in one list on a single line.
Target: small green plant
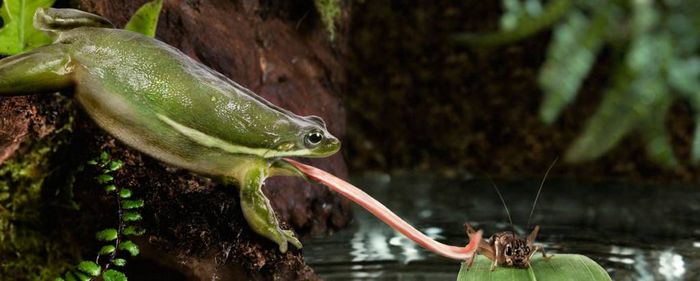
[(656, 60), (26, 248), (18, 34), (115, 239), (329, 10), (145, 20)]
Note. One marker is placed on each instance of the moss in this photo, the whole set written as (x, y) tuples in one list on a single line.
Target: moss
[(27, 248), (329, 11)]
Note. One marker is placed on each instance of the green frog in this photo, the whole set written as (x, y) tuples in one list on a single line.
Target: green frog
[(159, 101)]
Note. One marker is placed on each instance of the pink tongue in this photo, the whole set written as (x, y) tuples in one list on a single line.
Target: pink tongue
[(387, 216)]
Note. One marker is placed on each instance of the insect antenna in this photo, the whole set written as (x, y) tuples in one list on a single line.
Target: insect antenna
[(498, 191), (537, 197)]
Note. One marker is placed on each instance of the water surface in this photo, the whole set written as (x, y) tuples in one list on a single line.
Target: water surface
[(647, 232)]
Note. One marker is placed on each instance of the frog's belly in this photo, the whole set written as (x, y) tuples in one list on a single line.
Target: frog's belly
[(140, 128)]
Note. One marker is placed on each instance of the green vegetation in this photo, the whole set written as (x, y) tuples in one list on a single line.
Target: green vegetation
[(145, 20), (27, 247), (656, 60), (559, 267), (18, 33), (115, 239), (329, 10)]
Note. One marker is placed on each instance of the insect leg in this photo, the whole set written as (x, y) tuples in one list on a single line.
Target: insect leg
[(541, 249), (485, 248), (43, 70), (496, 247), (533, 235), (471, 259)]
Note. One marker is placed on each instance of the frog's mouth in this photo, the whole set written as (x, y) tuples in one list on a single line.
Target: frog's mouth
[(328, 148)]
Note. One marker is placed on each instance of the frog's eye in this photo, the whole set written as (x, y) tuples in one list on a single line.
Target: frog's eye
[(313, 139)]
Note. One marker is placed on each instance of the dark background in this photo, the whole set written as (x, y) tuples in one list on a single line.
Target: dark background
[(416, 101)]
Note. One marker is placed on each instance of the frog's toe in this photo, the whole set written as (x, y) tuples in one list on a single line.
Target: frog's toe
[(291, 238), (283, 246)]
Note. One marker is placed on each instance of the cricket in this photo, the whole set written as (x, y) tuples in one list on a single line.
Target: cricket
[(507, 248)]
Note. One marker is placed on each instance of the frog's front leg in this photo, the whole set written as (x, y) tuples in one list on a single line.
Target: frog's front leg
[(44, 70), (258, 211)]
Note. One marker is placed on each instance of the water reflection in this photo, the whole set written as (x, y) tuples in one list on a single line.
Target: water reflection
[(671, 266), (636, 233)]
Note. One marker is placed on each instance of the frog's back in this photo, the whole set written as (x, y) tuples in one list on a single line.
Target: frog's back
[(144, 90), (161, 80)]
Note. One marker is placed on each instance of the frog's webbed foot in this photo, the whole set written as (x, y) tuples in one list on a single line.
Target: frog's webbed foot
[(258, 212), (44, 70), (292, 238)]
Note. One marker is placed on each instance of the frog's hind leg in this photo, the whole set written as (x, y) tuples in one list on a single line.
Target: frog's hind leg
[(43, 70), (258, 212)]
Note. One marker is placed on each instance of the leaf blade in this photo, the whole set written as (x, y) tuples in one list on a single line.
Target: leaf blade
[(19, 34), (559, 267), (145, 20), (113, 275)]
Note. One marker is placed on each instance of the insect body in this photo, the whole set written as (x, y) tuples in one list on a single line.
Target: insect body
[(507, 248)]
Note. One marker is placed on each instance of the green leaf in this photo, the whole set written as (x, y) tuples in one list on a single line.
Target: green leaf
[(133, 230), (113, 275), (119, 262), (108, 249), (518, 11), (131, 216), (69, 276), (125, 193), (132, 204), (90, 268), (614, 118), (145, 20), (559, 267), (554, 10), (130, 247), (82, 276), (110, 188), (109, 234), (570, 57), (115, 165), (104, 178), (104, 158), (638, 101), (18, 34), (658, 142)]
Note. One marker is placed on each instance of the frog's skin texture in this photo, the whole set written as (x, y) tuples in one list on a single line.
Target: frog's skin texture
[(157, 100)]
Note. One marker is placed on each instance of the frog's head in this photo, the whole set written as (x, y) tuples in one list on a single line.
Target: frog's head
[(311, 139)]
